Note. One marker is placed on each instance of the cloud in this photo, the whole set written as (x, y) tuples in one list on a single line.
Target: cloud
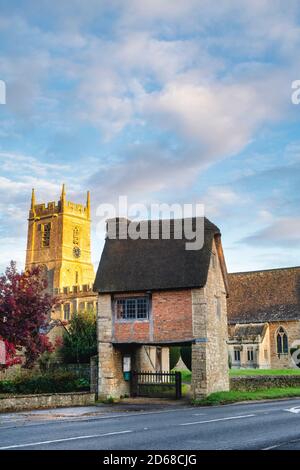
[(283, 232), (171, 89)]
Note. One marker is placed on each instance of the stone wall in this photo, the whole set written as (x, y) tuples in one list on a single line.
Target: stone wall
[(111, 382), (292, 329), (260, 382), (210, 353), (31, 402)]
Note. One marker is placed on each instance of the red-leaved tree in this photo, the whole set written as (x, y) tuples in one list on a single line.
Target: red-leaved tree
[(25, 308)]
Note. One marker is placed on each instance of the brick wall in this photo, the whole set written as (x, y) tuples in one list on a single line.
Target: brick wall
[(172, 315), (170, 320)]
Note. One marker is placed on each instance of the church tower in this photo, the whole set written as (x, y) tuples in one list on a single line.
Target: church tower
[(59, 239)]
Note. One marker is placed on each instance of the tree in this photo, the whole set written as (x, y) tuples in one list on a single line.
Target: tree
[(25, 308), (80, 342), (174, 355)]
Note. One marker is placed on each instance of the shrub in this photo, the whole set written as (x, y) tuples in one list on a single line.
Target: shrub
[(57, 382), (80, 342)]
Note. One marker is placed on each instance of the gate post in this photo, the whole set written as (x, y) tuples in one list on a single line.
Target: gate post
[(94, 375), (178, 385), (133, 383)]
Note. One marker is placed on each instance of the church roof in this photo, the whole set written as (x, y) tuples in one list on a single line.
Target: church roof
[(249, 331), (128, 265), (264, 296)]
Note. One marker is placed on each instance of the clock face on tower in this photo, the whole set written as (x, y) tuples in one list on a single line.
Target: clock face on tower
[(76, 252)]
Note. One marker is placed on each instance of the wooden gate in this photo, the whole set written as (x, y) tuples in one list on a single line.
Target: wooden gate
[(156, 384)]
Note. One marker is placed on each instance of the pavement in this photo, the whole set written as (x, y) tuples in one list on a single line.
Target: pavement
[(155, 425)]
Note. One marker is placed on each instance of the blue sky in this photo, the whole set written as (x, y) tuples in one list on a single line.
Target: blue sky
[(163, 101)]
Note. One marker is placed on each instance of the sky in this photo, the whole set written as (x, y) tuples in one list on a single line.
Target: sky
[(173, 101)]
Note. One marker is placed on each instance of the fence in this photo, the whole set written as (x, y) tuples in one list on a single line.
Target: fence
[(156, 384)]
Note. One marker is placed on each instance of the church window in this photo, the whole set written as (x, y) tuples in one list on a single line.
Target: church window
[(250, 355), (237, 355), (46, 230), (67, 312), (76, 236), (282, 341)]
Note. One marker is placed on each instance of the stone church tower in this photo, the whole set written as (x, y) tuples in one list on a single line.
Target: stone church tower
[(59, 240)]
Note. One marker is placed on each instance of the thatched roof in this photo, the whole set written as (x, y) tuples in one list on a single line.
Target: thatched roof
[(128, 265)]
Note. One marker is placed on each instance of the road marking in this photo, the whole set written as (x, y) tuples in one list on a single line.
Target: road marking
[(295, 410), (219, 419), (30, 444)]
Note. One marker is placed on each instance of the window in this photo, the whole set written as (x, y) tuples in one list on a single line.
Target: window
[(81, 307), (136, 308), (250, 355), (76, 236), (237, 355), (282, 341), (67, 312), (46, 229), (76, 277), (90, 306)]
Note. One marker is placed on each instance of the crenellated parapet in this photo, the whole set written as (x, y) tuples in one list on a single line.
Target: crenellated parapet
[(43, 210)]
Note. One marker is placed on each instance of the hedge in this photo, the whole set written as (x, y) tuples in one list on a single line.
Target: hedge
[(57, 382)]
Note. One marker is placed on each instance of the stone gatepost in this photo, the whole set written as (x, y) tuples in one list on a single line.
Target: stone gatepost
[(111, 381)]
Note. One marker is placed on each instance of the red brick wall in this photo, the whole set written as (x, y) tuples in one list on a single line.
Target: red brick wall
[(171, 317), (137, 331)]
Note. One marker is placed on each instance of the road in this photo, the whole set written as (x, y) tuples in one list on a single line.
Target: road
[(265, 425)]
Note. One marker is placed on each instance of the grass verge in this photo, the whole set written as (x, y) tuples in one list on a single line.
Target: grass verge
[(221, 398), (186, 375), (239, 372)]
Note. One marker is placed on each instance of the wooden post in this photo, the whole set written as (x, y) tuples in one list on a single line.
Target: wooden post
[(178, 385)]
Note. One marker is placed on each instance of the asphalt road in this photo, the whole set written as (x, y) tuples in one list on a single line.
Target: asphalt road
[(267, 425)]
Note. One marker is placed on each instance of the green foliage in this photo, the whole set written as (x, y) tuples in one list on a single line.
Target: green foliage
[(186, 376), (174, 356), (186, 356), (80, 342), (57, 382), (229, 361), (238, 372), (110, 400), (45, 360), (220, 398)]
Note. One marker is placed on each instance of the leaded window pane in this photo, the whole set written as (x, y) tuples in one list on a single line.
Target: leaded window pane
[(132, 308)]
